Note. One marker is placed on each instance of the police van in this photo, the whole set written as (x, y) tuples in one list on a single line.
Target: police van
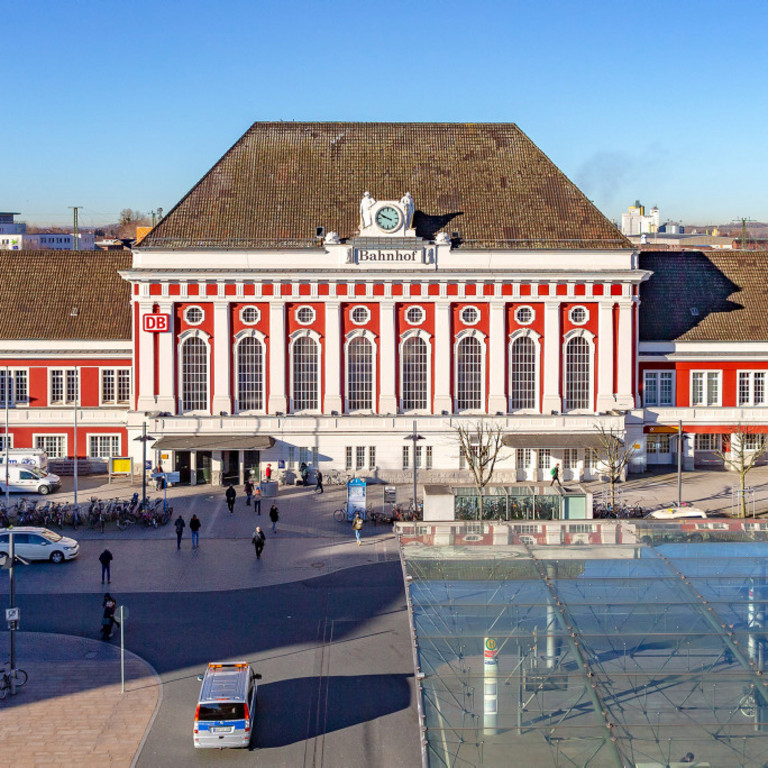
[(227, 706)]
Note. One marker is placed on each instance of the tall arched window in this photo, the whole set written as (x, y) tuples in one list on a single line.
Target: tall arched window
[(522, 374), (194, 374), (469, 374), (250, 374), (414, 385), (359, 374), (578, 374), (306, 376)]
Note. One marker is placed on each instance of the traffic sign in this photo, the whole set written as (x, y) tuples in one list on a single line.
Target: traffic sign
[(12, 614)]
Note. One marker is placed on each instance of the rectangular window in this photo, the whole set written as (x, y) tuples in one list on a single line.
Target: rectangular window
[(657, 444), (53, 445), (752, 442), (115, 386), (2, 442), (570, 458), (291, 457), (315, 459), (372, 457), (348, 458), (659, 388), (303, 455), (418, 457), (103, 446), (15, 386), (524, 458), (708, 442), (64, 386), (428, 457), (752, 390), (545, 458), (705, 388), (360, 457), (406, 457)]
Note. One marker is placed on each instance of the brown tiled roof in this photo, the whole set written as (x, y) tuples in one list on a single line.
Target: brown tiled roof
[(705, 296), (489, 182), (40, 289)]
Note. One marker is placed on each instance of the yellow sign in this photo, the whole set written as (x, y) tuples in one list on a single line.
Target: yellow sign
[(121, 466)]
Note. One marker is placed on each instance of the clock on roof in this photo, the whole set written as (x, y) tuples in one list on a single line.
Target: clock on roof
[(388, 218)]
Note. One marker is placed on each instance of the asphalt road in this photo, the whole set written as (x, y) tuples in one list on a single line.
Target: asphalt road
[(334, 653)]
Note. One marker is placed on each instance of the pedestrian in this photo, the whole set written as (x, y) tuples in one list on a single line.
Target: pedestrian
[(274, 516), (231, 494), (105, 558), (318, 481), (555, 474), (357, 526), (258, 540), (304, 472), (268, 472), (257, 499), (194, 527), (108, 621), (179, 525), (159, 479), (248, 488)]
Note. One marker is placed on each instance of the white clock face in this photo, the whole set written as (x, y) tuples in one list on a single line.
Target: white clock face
[(387, 218)]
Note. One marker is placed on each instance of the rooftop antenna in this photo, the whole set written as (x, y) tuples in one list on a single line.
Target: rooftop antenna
[(743, 220), (75, 239)]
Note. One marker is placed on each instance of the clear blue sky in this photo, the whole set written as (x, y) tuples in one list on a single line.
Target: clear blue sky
[(126, 105)]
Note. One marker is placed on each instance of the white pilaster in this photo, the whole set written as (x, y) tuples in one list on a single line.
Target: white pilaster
[(387, 357), (442, 369), (166, 354), (332, 349), (624, 398), (497, 399), (278, 354), (553, 352), (606, 399), (145, 383), (222, 354)]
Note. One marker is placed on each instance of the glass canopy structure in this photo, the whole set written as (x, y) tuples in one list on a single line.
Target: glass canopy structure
[(591, 644)]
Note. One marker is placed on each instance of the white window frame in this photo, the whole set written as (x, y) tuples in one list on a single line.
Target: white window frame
[(706, 377), (751, 375), (248, 308), (198, 334), (58, 436), (295, 336), (305, 322), (711, 437), (116, 373), (656, 387), (356, 308), (110, 435), (520, 309), (427, 339), (13, 375), (470, 333), (536, 339), (472, 322), (187, 310), (368, 336), (66, 401), (262, 340), (422, 314), (575, 309), (2, 442), (590, 339), (371, 457), (406, 453)]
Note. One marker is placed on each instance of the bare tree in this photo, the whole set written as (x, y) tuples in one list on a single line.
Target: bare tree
[(614, 455), (747, 447), (480, 444)]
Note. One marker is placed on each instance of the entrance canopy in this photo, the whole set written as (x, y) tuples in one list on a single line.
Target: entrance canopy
[(554, 440), (218, 442)]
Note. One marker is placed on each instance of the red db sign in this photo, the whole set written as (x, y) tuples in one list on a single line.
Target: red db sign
[(157, 323)]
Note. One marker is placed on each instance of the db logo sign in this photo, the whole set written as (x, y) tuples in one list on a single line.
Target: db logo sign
[(157, 323)]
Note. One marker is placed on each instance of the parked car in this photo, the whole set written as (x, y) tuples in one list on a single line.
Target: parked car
[(32, 543), (676, 513), (23, 478)]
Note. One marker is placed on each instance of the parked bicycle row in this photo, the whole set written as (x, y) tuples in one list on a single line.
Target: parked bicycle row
[(391, 513), (621, 511)]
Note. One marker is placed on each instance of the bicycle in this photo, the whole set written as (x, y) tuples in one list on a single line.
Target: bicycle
[(20, 676)]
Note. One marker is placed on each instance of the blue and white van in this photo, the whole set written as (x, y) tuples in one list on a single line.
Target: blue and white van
[(226, 709)]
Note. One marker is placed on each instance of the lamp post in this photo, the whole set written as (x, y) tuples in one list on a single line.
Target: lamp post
[(415, 437), (143, 437), (7, 438), (74, 452)]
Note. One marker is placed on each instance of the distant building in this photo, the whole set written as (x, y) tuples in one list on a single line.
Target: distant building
[(636, 222), (8, 226)]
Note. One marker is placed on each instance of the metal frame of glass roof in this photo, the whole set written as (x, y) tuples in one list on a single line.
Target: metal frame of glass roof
[(636, 647)]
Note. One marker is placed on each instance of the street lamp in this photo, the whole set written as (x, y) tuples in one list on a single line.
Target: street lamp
[(415, 437), (143, 437)]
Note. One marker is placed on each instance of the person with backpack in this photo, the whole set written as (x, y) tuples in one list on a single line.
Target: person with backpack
[(357, 526), (194, 527), (179, 525), (555, 474), (258, 540)]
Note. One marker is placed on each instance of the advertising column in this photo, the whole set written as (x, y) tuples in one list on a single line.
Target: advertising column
[(490, 686)]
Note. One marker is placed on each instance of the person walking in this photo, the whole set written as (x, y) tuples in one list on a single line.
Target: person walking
[(105, 558), (318, 481), (248, 488), (274, 516), (357, 526), (159, 479), (231, 494), (179, 525), (304, 472), (108, 621), (257, 499), (194, 527), (258, 540), (555, 474)]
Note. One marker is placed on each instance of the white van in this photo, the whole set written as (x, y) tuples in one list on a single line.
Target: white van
[(23, 478), (26, 457)]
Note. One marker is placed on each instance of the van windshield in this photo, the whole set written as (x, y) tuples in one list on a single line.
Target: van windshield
[(228, 710), (35, 471)]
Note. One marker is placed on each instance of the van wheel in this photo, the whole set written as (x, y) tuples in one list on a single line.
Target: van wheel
[(696, 538), (57, 557), (44, 490)]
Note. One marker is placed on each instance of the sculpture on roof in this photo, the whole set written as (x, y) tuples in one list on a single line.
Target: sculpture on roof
[(366, 210), (406, 201)]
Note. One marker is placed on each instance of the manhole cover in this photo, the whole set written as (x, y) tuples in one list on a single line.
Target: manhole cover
[(91, 655), (318, 565)]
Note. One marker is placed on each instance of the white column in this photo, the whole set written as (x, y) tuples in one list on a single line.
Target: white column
[(624, 398), (497, 400), (442, 367), (166, 359), (278, 353), (553, 352), (145, 382), (333, 353), (222, 355), (606, 399), (387, 357)]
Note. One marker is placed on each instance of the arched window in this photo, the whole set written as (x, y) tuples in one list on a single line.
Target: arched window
[(306, 375), (194, 374), (522, 374), (359, 374), (578, 374), (414, 384), (250, 374), (469, 374)]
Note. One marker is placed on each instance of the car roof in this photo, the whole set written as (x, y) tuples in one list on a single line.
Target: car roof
[(27, 529)]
